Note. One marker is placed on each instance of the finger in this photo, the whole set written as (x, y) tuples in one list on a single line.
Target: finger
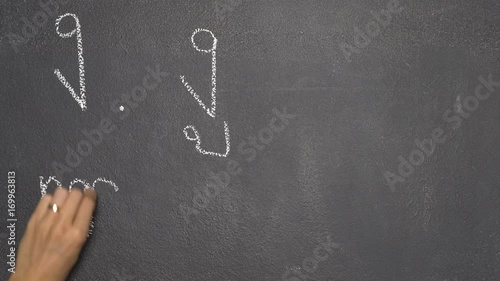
[(38, 217), (60, 196), (86, 209), (51, 218), (72, 204), (42, 207), (38, 213)]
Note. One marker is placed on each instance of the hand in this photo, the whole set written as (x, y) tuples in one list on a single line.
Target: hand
[(52, 241)]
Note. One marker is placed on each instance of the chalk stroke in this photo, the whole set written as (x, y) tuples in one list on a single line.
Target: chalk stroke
[(86, 185), (81, 98), (44, 186), (105, 181), (198, 140), (210, 111)]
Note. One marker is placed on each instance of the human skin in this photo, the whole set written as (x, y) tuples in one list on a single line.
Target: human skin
[(52, 241)]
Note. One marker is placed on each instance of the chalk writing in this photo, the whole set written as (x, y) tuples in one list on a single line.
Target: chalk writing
[(81, 98), (211, 110), (44, 186), (198, 140)]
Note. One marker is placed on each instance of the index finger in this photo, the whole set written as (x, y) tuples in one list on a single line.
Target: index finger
[(85, 210), (42, 207)]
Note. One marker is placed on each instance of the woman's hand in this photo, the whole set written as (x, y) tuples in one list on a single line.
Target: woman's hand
[(53, 240)]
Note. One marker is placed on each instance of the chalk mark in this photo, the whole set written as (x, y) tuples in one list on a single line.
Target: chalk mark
[(198, 140), (81, 98), (86, 185), (210, 111)]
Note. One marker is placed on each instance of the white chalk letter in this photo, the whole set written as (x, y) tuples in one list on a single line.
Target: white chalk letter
[(198, 140), (80, 99), (211, 110)]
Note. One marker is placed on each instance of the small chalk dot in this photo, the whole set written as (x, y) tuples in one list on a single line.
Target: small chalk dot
[(122, 108)]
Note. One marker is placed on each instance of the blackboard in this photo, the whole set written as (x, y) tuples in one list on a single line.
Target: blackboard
[(347, 140)]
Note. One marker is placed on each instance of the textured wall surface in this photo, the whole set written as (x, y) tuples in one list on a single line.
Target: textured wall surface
[(385, 165)]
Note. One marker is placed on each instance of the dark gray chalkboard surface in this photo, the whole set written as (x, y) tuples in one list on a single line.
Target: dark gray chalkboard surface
[(363, 135)]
